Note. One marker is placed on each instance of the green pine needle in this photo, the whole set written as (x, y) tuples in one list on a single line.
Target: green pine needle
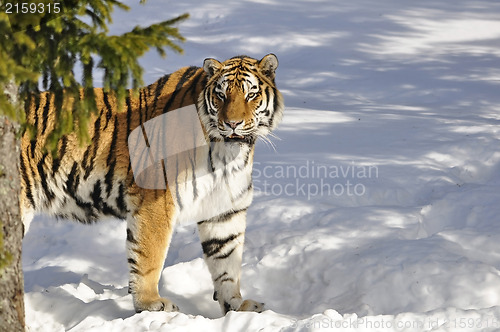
[(49, 45)]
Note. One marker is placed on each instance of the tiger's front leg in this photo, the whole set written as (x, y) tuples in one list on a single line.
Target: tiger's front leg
[(222, 240), (149, 231)]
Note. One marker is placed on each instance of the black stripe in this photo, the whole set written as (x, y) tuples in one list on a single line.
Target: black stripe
[(96, 194), (184, 78), (120, 199), (27, 182), (109, 110), (177, 172), (247, 157), (129, 120), (62, 151), (220, 276), (86, 155), (109, 177), (268, 97), (139, 252), (275, 107), (131, 286), (73, 179), (146, 93), (210, 159), (146, 108), (195, 83), (227, 307), (224, 216), (129, 115), (90, 214), (112, 146), (194, 183), (36, 114), (110, 211), (33, 146), (64, 216), (213, 246), (43, 179), (192, 87), (226, 255), (159, 88), (45, 114), (207, 96), (261, 83), (141, 100), (91, 152), (88, 209), (111, 160), (72, 184), (260, 101), (74, 217), (130, 237), (100, 204), (133, 266)]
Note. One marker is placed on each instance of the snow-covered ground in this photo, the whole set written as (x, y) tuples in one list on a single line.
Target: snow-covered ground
[(379, 209)]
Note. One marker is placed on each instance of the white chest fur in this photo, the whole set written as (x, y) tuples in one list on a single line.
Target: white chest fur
[(211, 180), (205, 179)]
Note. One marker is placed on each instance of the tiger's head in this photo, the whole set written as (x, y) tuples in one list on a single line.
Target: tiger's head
[(240, 102)]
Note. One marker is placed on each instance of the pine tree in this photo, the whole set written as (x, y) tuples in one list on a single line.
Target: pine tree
[(42, 42)]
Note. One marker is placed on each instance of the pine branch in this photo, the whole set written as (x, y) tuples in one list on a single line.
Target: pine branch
[(51, 45)]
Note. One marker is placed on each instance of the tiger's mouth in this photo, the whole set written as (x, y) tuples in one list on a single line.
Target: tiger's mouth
[(234, 135), (235, 138)]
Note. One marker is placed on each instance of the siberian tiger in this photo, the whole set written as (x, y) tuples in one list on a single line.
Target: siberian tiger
[(235, 103)]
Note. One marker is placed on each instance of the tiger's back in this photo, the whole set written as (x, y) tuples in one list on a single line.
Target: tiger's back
[(88, 182), (234, 103)]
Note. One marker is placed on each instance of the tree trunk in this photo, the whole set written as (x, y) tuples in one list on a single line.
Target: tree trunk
[(11, 231)]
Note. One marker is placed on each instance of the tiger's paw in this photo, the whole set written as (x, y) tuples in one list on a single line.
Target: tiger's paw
[(251, 305), (160, 304)]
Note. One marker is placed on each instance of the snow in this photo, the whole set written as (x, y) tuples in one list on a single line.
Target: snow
[(378, 209)]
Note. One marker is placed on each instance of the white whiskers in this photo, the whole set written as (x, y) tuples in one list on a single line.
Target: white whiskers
[(268, 141)]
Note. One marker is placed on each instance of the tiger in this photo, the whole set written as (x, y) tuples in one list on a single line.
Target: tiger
[(235, 102)]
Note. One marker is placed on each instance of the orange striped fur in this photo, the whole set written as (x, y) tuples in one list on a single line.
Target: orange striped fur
[(236, 101)]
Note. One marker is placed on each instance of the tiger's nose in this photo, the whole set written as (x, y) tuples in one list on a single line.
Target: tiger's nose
[(234, 124)]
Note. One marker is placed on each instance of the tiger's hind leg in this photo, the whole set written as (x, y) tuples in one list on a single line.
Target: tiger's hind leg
[(222, 240), (149, 231)]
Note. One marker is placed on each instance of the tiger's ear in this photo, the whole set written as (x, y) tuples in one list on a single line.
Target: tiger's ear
[(211, 66), (268, 65)]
